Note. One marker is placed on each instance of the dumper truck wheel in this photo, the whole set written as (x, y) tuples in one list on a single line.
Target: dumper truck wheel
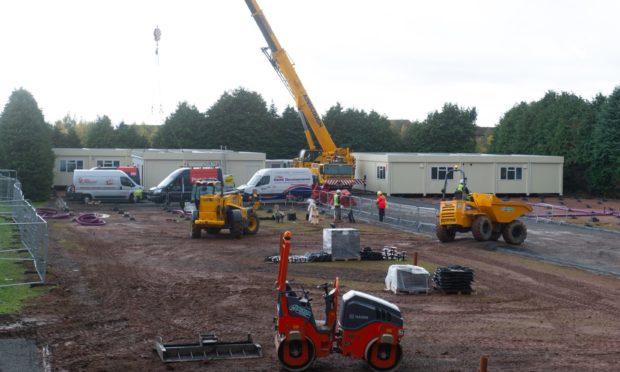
[(195, 231), (514, 232), (482, 228), (383, 357), (296, 355), (444, 234), (253, 225)]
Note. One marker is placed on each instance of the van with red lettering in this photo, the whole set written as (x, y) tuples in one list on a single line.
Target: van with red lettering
[(273, 184), (103, 185)]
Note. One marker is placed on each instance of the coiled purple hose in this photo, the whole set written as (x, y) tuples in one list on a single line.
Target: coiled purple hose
[(46, 213), (89, 219)]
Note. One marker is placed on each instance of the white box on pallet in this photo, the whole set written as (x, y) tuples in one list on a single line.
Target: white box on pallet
[(408, 279), (342, 243)]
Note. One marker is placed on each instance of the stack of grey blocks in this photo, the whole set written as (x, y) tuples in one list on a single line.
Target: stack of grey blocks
[(342, 243)]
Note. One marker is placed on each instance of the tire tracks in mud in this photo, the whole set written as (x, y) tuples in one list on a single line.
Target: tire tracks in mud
[(570, 292), (135, 282)]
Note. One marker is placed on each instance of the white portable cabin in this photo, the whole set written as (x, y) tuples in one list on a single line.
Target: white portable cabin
[(156, 164), (424, 174), (69, 159), (278, 163)]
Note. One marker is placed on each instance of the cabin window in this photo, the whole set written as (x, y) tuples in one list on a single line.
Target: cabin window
[(381, 172), (439, 173), (511, 173), (108, 163), (70, 165)]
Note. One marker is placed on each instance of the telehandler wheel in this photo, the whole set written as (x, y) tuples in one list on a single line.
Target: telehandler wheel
[(482, 228), (213, 230), (444, 234), (383, 357), (253, 225), (236, 229), (195, 231), (514, 232), (296, 355)]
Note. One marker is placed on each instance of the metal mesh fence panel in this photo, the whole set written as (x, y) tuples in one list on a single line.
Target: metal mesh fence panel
[(403, 216), (7, 183), (23, 234)]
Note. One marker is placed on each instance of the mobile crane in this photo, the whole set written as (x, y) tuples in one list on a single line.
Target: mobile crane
[(331, 166)]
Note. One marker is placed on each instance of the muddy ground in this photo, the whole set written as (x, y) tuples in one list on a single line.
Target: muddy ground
[(115, 288)]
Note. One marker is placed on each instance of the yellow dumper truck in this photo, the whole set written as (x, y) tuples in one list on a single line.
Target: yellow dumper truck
[(485, 215)]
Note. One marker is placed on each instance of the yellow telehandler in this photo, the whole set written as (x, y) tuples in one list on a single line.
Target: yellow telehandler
[(216, 210), (485, 215)]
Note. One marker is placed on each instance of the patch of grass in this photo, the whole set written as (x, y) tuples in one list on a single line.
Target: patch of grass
[(12, 298)]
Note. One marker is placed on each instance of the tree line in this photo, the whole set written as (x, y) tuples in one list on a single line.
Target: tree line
[(585, 132), (241, 120)]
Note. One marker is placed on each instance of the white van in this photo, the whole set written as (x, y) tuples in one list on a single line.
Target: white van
[(103, 184), (279, 183)]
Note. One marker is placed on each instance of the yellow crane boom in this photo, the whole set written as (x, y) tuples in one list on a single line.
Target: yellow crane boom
[(331, 162)]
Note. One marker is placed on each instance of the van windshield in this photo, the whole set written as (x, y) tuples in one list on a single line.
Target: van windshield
[(168, 180), (254, 180)]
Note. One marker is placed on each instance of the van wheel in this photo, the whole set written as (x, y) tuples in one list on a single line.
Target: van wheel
[(87, 199), (132, 198)]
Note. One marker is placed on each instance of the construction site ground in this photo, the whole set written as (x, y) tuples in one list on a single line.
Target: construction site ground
[(113, 289)]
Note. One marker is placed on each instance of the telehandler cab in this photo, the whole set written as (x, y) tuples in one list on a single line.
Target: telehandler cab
[(368, 327), (485, 215)]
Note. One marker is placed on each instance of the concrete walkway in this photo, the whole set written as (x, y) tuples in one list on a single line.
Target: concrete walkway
[(19, 355)]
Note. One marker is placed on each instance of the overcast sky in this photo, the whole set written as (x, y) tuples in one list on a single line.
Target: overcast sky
[(401, 58)]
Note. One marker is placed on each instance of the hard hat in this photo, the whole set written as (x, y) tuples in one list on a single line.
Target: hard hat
[(379, 193), (461, 181), (337, 191)]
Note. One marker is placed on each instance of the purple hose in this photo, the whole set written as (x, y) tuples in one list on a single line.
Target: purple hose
[(46, 213), (89, 219)]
